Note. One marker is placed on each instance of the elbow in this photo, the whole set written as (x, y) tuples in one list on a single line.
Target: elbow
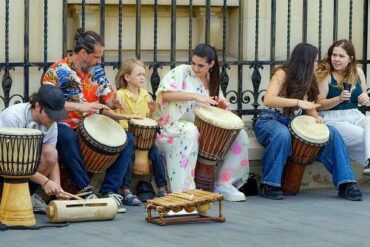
[(267, 102)]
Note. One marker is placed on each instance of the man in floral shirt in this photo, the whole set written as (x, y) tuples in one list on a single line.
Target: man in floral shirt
[(87, 91)]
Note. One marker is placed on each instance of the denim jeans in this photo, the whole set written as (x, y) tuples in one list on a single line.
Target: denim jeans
[(71, 157), (272, 131), (159, 172)]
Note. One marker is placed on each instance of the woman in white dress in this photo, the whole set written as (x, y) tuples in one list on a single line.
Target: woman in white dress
[(180, 91)]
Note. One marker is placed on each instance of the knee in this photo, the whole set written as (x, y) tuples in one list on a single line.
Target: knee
[(49, 158), (49, 154), (283, 136), (130, 140), (65, 134)]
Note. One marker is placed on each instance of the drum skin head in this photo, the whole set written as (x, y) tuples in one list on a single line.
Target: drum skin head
[(144, 122), (306, 128), (105, 130), (219, 117), (20, 131)]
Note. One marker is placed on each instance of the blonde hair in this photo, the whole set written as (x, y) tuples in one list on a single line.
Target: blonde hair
[(126, 68), (325, 67)]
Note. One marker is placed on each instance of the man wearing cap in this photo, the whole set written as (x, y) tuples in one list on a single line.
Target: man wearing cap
[(45, 108)]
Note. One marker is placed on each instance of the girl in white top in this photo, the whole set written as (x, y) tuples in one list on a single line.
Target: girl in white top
[(180, 91)]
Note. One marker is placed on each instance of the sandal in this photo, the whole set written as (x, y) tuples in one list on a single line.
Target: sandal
[(130, 199)]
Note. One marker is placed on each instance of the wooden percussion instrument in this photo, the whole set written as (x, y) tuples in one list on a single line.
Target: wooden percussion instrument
[(308, 139), (81, 210), (196, 201), (20, 151), (101, 141), (218, 129), (144, 132)]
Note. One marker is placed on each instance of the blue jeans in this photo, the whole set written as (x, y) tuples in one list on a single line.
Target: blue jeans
[(272, 131), (159, 172), (70, 155)]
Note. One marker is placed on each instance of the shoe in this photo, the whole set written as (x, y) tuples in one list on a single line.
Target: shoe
[(38, 204), (366, 170), (161, 193), (130, 199), (230, 193), (271, 192), (90, 196), (118, 199), (350, 191), (145, 191)]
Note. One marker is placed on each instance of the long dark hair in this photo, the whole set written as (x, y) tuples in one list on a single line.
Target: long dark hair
[(300, 77), (87, 40), (209, 53)]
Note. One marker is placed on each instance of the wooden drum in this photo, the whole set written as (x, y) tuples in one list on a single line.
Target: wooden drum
[(101, 141), (20, 151), (218, 129), (144, 132), (308, 139)]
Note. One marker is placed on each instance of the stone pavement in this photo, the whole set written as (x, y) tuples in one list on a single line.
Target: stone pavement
[(312, 218)]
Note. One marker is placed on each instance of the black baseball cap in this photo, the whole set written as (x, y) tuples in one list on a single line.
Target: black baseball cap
[(51, 98)]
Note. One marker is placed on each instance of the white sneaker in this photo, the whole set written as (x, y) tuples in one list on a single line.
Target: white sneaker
[(118, 199), (230, 193), (38, 204), (366, 170)]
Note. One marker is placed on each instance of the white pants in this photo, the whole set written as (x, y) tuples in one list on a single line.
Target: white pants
[(355, 130)]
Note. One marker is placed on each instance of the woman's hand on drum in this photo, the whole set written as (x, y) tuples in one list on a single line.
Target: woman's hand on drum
[(320, 120), (307, 105), (205, 100), (363, 99), (221, 103)]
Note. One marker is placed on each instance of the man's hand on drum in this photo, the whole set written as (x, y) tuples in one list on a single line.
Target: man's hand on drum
[(205, 100), (307, 105), (52, 188), (221, 103), (90, 107)]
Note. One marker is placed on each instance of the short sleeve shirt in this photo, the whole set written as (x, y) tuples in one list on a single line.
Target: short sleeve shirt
[(78, 87)]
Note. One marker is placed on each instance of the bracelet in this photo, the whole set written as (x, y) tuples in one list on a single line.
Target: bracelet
[(43, 186)]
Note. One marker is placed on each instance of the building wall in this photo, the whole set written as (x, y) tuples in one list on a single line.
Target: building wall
[(55, 48)]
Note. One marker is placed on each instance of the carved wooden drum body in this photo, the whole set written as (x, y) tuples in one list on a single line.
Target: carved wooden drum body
[(144, 132), (101, 141), (218, 129), (308, 137), (20, 151)]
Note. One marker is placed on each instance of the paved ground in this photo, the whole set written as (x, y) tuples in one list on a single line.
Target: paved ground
[(313, 218)]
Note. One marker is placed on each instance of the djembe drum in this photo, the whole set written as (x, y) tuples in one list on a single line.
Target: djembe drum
[(308, 137), (218, 129), (144, 132), (20, 151), (101, 141)]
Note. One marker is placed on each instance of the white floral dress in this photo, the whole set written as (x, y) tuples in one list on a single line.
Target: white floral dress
[(179, 136)]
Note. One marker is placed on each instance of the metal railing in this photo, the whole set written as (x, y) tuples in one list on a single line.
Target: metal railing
[(245, 101)]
